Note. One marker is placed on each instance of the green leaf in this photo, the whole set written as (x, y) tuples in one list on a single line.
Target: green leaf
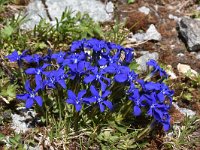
[(9, 91), (2, 136), (134, 66), (131, 1), (7, 32), (120, 128)]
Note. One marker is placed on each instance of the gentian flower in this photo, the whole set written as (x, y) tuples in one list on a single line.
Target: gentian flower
[(155, 109), (128, 55), (156, 68), (77, 45), (126, 76), (15, 57), (77, 101), (73, 59), (31, 95), (54, 77), (137, 99), (99, 98), (165, 91), (59, 57), (107, 59), (36, 71), (33, 58), (149, 86), (97, 76)]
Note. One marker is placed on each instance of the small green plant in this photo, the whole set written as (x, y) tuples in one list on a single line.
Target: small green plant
[(184, 136), (130, 1)]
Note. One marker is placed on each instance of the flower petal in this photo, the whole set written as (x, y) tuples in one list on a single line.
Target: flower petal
[(121, 77), (27, 86), (71, 94), (30, 71), (89, 79), (94, 91), (81, 94), (39, 100), (29, 103), (108, 104), (101, 106), (78, 107), (22, 96), (136, 110)]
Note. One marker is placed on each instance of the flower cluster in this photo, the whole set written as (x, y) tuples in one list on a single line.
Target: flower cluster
[(88, 74)]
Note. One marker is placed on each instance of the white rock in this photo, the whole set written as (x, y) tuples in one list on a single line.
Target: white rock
[(18, 123), (184, 111), (152, 34), (170, 72), (174, 17), (144, 59), (185, 69), (96, 10), (180, 55), (144, 10)]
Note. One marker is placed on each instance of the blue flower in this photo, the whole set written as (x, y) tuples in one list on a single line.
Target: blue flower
[(36, 58), (54, 77), (126, 76), (31, 95), (73, 59), (128, 55), (107, 59), (97, 76), (165, 91), (137, 99), (156, 68), (15, 57), (149, 86), (77, 45), (156, 109), (78, 100), (59, 57), (100, 98)]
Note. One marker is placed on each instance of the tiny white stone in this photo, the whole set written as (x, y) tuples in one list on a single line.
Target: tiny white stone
[(152, 34), (144, 10)]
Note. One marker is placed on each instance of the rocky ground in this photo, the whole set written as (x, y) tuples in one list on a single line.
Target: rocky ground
[(164, 30)]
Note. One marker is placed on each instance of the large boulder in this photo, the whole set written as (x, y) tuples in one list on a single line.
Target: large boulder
[(190, 31)]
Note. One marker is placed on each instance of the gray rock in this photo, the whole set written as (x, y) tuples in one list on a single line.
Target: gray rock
[(96, 10), (138, 36), (21, 123), (18, 123), (34, 11), (184, 111), (190, 31), (144, 10), (198, 56), (145, 58), (152, 34)]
